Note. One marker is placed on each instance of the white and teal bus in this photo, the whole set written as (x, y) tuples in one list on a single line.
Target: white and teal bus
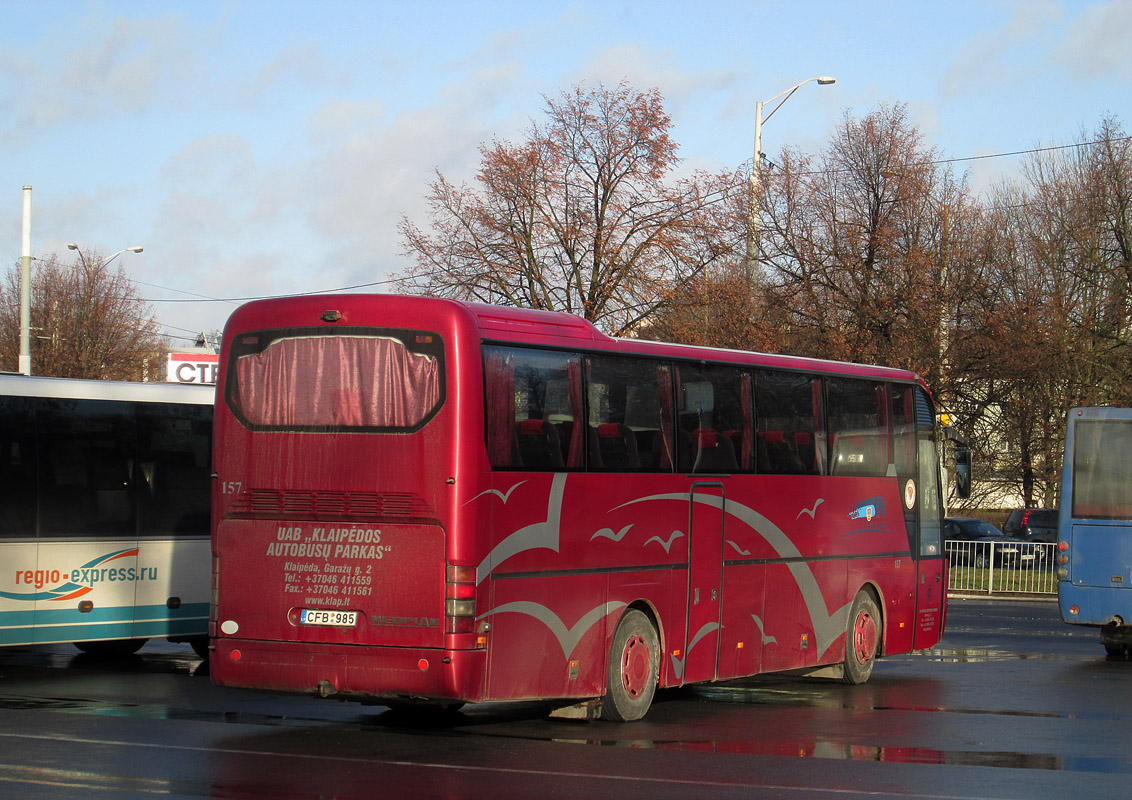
[(1095, 525), (104, 512)]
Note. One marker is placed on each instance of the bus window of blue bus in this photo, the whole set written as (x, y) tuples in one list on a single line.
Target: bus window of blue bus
[(1095, 525)]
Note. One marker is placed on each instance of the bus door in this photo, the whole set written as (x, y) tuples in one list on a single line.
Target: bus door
[(705, 583), (931, 585), (917, 467)]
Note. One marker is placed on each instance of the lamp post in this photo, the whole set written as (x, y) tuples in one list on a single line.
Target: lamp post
[(72, 246), (25, 287), (756, 182), (87, 267)]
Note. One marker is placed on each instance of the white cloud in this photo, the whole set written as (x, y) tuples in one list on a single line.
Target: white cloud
[(94, 66), (300, 66), (997, 58), (1095, 43), (339, 119)]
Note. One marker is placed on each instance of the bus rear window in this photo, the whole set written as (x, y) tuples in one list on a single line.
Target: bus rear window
[(1102, 469), (372, 380)]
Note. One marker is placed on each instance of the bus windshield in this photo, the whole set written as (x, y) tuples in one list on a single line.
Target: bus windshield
[(366, 379)]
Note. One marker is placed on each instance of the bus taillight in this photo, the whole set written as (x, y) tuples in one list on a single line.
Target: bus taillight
[(460, 599)]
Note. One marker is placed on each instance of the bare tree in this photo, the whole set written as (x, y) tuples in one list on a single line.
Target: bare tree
[(87, 321), (1014, 309), (583, 216), (1060, 331), (865, 246)]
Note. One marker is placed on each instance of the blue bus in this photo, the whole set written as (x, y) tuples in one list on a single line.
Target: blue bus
[(1095, 525)]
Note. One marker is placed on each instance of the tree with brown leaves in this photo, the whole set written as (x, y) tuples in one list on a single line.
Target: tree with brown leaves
[(87, 321), (583, 216), (865, 245), (1057, 331)]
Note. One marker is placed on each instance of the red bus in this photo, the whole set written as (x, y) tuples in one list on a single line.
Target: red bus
[(420, 499)]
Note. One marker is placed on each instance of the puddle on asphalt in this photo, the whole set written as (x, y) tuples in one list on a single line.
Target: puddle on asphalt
[(868, 697), (979, 655), (146, 711), (503, 721), (770, 746), (844, 751)]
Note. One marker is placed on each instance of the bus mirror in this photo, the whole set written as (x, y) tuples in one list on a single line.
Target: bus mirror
[(963, 472)]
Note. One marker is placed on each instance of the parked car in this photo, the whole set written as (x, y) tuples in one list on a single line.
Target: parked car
[(971, 542), (1032, 524)]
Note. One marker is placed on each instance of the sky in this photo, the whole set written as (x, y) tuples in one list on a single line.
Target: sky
[(257, 148)]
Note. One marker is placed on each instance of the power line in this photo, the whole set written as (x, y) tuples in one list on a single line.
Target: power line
[(180, 291), (1011, 154), (266, 296), (1031, 151), (200, 298)]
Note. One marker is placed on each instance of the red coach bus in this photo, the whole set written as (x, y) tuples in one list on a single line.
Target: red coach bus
[(422, 499)]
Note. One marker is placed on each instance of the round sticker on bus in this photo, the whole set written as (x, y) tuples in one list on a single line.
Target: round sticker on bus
[(910, 493)]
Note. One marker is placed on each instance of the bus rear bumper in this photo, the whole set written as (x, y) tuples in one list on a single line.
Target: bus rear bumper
[(355, 672), (1095, 605)]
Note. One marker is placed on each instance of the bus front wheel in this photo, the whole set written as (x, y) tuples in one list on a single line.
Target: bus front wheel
[(634, 667), (861, 639)]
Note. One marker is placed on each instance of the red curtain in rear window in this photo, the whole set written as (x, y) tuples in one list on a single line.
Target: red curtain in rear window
[(337, 381)]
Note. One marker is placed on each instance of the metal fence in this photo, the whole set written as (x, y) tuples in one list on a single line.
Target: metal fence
[(1009, 567)]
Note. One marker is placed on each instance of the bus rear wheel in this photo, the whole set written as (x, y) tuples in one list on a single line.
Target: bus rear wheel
[(200, 646), (111, 648), (634, 668), (861, 639)]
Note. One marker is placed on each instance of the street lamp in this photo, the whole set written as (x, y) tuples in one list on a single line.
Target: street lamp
[(822, 80), (25, 287), (25, 282), (137, 248)]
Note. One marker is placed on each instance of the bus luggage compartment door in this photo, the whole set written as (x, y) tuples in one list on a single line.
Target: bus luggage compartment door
[(331, 582)]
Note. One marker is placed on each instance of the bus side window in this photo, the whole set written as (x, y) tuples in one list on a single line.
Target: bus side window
[(88, 471), (858, 427), (628, 426), (173, 491), (791, 440), (714, 413), (17, 467), (533, 401)]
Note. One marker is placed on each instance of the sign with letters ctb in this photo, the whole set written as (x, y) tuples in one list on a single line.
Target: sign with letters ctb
[(193, 367)]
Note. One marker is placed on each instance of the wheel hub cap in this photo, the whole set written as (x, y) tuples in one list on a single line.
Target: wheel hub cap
[(636, 664), (864, 638)]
